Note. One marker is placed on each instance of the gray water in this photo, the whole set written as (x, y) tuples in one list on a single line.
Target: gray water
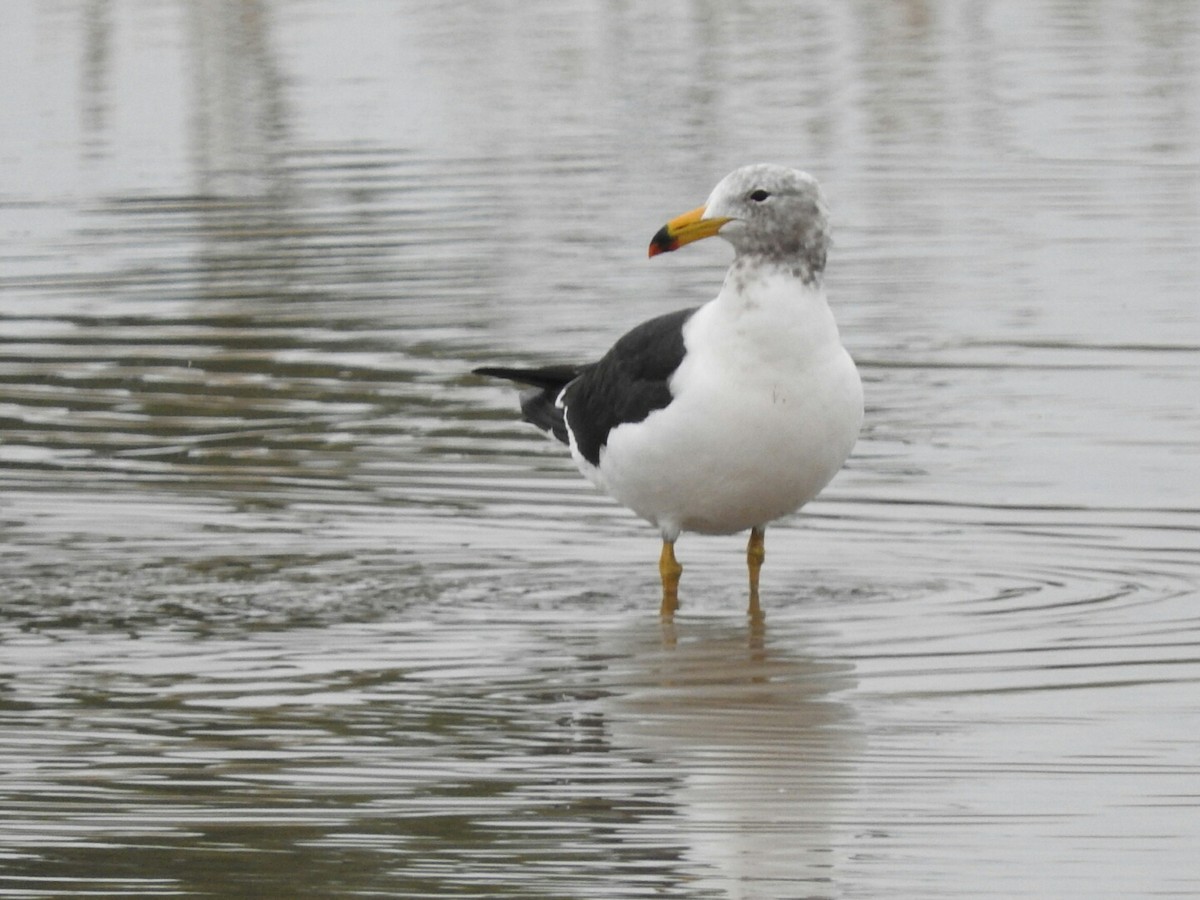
[(292, 606)]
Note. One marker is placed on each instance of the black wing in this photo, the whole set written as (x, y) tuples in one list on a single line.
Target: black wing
[(538, 403), (627, 384)]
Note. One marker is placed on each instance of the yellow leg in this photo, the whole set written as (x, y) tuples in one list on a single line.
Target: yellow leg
[(755, 554), (670, 570)]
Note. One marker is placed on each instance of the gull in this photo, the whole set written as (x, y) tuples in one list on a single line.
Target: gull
[(725, 417)]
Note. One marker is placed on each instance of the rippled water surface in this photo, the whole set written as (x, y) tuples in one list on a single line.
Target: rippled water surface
[(292, 606)]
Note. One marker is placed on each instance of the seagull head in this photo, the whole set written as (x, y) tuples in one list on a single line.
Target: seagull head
[(762, 210)]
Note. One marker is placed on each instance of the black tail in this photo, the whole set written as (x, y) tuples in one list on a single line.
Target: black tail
[(537, 403)]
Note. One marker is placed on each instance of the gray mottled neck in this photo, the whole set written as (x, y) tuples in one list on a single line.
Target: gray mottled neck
[(749, 266)]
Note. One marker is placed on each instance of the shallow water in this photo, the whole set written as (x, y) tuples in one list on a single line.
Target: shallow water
[(294, 607)]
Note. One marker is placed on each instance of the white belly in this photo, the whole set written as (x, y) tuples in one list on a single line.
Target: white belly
[(766, 410)]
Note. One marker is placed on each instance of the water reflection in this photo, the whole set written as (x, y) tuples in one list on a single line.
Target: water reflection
[(239, 129), (610, 761), (763, 748), (292, 606), (97, 50)]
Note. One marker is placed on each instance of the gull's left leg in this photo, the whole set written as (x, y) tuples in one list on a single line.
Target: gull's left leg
[(670, 570), (755, 554)]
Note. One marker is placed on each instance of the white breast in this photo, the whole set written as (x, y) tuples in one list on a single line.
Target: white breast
[(766, 407)]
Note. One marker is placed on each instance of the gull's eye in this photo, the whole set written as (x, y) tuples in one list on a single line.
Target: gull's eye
[(760, 195)]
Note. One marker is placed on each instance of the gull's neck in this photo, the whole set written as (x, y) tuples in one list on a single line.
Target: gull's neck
[(775, 301), (755, 280), (748, 267)]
